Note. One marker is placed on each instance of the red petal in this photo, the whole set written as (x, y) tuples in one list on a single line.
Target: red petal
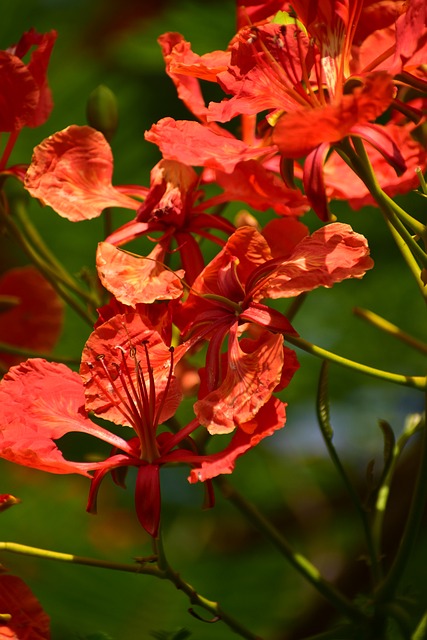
[(266, 317), (19, 94), (382, 141), (197, 145), (314, 184), (343, 184), (411, 36), (71, 171), (38, 67), (270, 417), (115, 341), (251, 378), (283, 235), (251, 183), (147, 498), (133, 279), (40, 402), (36, 321), (183, 67), (331, 254), (297, 133), (29, 621)]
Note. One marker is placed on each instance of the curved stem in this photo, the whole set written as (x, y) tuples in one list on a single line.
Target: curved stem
[(161, 569), (46, 554), (417, 382), (387, 588), (391, 329), (195, 598), (308, 571), (327, 434), (384, 489), (49, 258), (361, 165), (46, 269)]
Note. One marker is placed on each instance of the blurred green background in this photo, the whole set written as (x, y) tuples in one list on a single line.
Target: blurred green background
[(114, 43)]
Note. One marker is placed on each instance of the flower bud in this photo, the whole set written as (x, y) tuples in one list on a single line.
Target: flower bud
[(6, 501), (102, 112)]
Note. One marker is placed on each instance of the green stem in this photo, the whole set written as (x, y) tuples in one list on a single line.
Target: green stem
[(411, 427), (394, 213), (52, 277), (416, 382), (196, 599), (298, 561), (408, 257), (161, 570), (420, 632), (34, 552), (295, 306), (387, 588), (391, 329), (33, 239), (327, 434)]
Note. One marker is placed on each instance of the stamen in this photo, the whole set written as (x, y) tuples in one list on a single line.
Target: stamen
[(122, 405), (166, 389)]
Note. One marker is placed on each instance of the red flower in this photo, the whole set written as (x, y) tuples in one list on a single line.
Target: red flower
[(25, 97), (32, 319), (125, 377), (301, 73), (174, 207), (22, 615), (227, 295)]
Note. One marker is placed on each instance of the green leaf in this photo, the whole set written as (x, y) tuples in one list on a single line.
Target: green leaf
[(389, 445), (420, 632)]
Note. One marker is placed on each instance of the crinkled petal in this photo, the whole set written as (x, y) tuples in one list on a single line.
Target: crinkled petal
[(28, 619), (71, 171), (114, 348), (411, 36), (250, 380), (251, 183), (270, 417), (331, 254), (137, 279), (198, 145), (40, 402)]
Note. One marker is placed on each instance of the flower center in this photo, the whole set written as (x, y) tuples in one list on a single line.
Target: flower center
[(131, 390)]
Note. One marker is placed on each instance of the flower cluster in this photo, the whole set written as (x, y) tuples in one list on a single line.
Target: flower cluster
[(305, 83)]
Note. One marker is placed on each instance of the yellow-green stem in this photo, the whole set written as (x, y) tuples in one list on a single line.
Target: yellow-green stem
[(390, 328), (297, 560), (416, 382)]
